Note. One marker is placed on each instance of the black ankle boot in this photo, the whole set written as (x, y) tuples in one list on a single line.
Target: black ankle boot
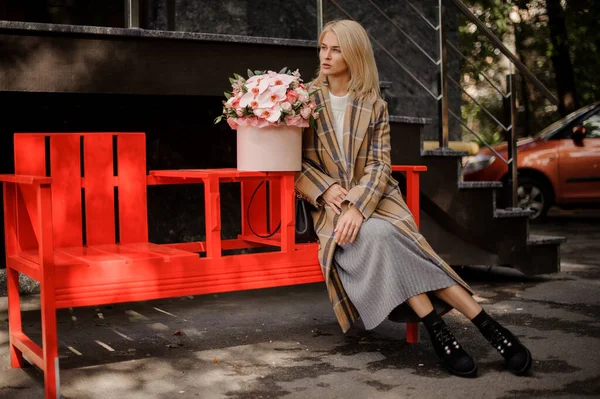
[(517, 356), (454, 357)]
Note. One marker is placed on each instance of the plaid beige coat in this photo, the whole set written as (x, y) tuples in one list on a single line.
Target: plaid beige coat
[(366, 174)]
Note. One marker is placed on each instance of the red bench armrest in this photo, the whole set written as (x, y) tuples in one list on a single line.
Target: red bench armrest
[(25, 179), (409, 168)]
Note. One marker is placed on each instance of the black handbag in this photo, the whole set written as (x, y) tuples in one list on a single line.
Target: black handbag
[(305, 231)]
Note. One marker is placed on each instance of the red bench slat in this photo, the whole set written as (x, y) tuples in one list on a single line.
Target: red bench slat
[(65, 169), (99, 189), (133, 216)]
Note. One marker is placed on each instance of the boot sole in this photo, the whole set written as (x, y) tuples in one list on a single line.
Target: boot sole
[(527, 366), (468, 374)]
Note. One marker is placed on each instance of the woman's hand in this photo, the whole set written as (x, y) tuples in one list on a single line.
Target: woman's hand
[(334, 196), (348, 225)]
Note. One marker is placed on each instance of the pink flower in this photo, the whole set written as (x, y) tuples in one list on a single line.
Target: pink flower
[(292, 96), (232, 123), (272, 114), (305, 112), (281, 80), (296, 120)]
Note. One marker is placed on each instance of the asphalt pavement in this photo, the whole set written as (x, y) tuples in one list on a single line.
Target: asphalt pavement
[(285, 343)]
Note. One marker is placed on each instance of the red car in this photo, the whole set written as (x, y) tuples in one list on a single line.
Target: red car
[(558, 166)]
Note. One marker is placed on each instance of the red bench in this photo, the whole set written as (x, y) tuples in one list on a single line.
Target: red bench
[(80, 228)]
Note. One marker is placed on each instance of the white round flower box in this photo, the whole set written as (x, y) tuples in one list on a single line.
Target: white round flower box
[(269, 149)]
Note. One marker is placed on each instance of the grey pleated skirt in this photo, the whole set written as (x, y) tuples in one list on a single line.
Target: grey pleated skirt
[(382, 268)]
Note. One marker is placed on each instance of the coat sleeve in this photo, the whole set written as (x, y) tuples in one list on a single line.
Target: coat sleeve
[(310, 182), (367, 193)]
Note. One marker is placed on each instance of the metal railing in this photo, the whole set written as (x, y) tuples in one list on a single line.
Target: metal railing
[(441, 62)]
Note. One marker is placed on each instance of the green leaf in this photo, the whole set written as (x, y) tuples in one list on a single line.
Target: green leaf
[(283, 70), (227, 95), (250, 73), (218, 119), (231, 80)]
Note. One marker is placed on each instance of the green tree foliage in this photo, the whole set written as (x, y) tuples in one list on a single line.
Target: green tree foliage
[(523, 25)]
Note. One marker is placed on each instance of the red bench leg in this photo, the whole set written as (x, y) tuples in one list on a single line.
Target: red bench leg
[(12, 276), (47, 295), (14, 317), (49, 342), (412, 201), (212, 201)]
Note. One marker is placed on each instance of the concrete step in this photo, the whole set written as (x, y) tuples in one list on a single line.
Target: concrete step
[(443, 152), (463, 185), (536, 240), (512, 213)]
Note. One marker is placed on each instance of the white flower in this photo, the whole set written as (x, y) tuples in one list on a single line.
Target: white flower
[(286, 106), (302, 95)]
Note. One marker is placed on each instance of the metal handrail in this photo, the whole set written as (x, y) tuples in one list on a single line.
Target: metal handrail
[(498, 43), (442, 95), (506, 129), (460, 120), (382, 47), (399, 29), (457, 51), (422, 16)]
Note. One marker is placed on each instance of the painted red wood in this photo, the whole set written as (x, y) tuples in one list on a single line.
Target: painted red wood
[(412, 201), (99, 188), (133, 216), (30, 159), (104, 272), (212, 204), (65, 168), (47, 293), (258, 207)]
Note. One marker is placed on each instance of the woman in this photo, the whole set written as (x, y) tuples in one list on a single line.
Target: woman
[(373, 257)]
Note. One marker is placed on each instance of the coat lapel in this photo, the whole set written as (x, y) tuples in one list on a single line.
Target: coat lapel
[(356, 124), (325, 130)]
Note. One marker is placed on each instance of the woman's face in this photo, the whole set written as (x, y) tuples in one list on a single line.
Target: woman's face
[(330, 56)]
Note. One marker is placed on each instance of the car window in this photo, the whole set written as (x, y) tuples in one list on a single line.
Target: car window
[(556, 130), (592, 125)]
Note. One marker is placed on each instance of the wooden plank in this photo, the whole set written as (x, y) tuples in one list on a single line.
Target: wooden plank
[(92, 256), (167, 253), (65, 169), (29, 348), (127, 252), (25, 179), (99, 189), (30, 159), (25, 266), (133, 213), (10, 219)]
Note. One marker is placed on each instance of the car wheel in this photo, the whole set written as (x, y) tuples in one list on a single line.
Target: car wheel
[(535, 195)]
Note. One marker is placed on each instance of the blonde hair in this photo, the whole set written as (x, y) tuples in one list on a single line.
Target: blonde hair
[(358, 54)]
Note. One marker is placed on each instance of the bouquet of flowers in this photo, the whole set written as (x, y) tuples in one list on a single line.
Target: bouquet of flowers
[(268, 98)]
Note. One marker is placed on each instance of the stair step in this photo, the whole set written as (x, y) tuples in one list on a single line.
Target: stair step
[(512, 213), (410, 119), (479, 184), (443, 152), (545, 240)]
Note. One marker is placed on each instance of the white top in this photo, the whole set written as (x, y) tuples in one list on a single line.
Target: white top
[(338, 111)]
